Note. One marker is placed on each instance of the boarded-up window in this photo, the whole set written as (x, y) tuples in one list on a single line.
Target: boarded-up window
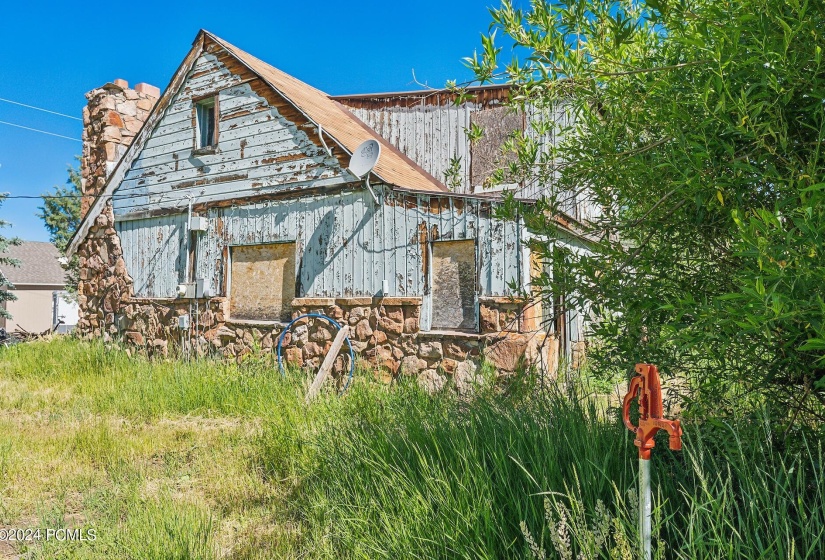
[(498, 123), (454, 285), (262, 282)]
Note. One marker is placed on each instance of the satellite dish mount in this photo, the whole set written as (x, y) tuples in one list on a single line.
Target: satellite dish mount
[(363, 160)]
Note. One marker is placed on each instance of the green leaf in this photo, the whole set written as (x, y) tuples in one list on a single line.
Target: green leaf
[(812, 344)]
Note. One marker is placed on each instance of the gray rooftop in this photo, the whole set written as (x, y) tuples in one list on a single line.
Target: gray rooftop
[(38, 264)]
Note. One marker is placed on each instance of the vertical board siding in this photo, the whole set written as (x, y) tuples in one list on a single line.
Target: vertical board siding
[(431, 134), (154, 251), (347, 247)]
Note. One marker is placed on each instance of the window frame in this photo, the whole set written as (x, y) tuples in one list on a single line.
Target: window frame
[(200, 100)]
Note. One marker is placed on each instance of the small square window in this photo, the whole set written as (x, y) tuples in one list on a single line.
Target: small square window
[(205, 112)]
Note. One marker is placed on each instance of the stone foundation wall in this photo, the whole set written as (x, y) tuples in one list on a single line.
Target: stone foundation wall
[(104, 284)]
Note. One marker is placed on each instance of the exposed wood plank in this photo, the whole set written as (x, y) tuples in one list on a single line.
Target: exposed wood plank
[(326, 366), (227, 191)]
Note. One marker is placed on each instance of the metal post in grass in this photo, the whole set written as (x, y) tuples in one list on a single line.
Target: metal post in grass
[(647, 386)]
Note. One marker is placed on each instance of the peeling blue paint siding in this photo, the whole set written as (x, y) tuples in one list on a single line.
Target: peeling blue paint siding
[(260, 150), (429, 134), (154, 252), (432, 131), (347, 246)]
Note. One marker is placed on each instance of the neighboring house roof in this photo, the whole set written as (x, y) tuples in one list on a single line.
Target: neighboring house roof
[(38, 264), (347, 130)]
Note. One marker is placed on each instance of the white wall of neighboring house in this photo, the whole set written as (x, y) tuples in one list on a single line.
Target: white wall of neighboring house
[(37, 309), (34, 280)]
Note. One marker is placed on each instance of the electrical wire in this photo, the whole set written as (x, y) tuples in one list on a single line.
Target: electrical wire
[(40, 109), (65, 196), (40, 131)]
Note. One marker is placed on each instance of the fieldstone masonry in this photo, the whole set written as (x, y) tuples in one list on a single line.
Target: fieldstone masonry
[(104, 285), (111, 119)]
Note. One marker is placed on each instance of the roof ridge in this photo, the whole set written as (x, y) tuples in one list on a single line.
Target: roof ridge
[(226, 43), (420, 92)]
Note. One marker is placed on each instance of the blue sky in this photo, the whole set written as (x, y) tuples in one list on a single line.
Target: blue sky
[(54, 52)]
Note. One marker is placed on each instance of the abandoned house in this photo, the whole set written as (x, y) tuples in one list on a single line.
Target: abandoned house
[(223, 207)]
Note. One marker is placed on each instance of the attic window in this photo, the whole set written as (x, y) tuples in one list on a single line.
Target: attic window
[(207, 124)]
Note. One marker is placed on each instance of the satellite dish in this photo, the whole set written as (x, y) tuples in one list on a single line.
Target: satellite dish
[(364, 158)]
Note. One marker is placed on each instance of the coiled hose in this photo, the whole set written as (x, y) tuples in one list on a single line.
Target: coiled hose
[(334, 323)]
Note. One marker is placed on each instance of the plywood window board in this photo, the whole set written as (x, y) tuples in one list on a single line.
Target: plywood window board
[(454, 285), (498, 124), (262, 281)]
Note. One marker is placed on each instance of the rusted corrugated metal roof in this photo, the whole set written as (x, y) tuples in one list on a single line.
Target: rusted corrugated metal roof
[(393, 167), (483, 96)]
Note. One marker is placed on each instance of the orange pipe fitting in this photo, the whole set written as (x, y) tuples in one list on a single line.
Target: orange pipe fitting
[(647, 386)]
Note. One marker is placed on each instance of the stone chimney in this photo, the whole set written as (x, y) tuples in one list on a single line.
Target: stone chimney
[(112, 117)]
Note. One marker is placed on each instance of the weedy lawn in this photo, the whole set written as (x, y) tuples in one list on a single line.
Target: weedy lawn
[(179, 460)]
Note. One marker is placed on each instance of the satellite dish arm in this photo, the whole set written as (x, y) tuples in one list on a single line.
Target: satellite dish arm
[(321, 137), (369, 188)]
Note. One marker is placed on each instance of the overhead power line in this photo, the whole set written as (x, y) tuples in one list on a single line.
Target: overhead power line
[(40, 131), (114, 196), (5, 196), (40, 109)]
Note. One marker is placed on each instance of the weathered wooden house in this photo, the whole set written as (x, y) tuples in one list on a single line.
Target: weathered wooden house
[(220, 209)]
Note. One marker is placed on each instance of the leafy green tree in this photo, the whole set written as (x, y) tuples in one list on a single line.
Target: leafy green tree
[(696, 127), (5, 262), (60, 213)]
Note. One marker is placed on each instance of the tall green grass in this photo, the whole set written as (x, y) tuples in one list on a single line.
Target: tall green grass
[(392, 472), (400, 474), (137, 529), (107, 380)]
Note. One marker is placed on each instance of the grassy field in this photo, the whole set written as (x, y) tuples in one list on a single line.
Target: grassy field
[(210, 460)]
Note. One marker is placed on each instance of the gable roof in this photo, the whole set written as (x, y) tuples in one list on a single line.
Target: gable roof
[(38, 264), (393, 168)]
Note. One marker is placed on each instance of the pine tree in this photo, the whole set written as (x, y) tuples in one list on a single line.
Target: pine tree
[(5, 262), (60, 213)]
